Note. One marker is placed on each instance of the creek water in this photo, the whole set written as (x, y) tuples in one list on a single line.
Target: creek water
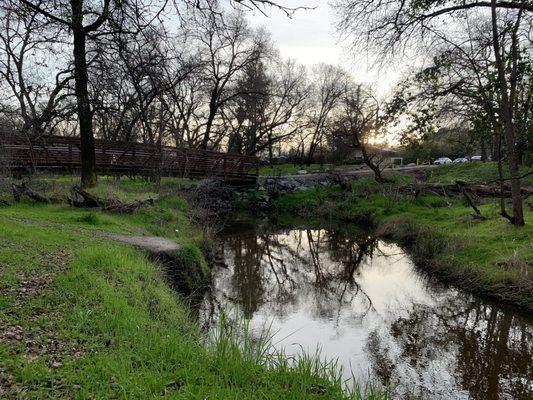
[(363, 302)]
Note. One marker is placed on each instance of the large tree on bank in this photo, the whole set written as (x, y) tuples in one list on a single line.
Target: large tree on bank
[(90, 19), (85, 19), (390, 27)]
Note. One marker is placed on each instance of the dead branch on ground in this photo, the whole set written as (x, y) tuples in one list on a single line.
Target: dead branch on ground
[(23, 190), (341, 180), (85, 199), (444, 189), (469, 200)]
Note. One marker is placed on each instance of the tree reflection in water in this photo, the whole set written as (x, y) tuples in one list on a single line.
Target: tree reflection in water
[(364, 303)]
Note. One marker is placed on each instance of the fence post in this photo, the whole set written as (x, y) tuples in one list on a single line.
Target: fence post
[(70, 157), (225, 170), (134, 161)]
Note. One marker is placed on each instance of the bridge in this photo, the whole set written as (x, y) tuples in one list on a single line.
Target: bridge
[(59, 153)]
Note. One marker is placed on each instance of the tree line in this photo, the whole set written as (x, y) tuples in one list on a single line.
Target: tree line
[(474, 71), (194, 73)]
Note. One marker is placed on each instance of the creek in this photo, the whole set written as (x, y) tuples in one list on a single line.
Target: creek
[(362, 301)]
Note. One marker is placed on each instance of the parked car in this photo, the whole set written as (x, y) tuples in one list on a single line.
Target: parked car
[(442, 161), (460, 160), (475, 158)]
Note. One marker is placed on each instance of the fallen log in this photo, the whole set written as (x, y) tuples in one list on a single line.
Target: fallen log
[(127, 208), (89, 200), (22, 190), (445, 189)]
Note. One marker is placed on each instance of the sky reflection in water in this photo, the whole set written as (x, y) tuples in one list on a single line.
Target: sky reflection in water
[(362, 301)]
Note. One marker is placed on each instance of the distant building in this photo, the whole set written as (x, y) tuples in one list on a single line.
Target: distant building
[(384, 155)]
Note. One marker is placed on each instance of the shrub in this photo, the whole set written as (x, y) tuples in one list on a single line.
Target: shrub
[(89, 218)]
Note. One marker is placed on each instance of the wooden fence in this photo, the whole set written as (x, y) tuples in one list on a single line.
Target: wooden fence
[(124, 158)]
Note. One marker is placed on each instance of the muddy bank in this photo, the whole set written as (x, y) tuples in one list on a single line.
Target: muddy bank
[(184, 265)]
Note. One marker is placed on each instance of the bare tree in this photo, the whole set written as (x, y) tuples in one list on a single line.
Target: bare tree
[(228, 46), (391, 27), (357, 122), (87, 20), (269, 109), (508, 86), (186, 107), (29, 43), (328, 85), (461, 78), (260, 5)]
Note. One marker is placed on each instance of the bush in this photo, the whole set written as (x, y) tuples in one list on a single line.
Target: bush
[(89, 218)]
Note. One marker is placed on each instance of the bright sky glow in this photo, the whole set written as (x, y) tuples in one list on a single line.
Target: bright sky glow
[(310, 37)]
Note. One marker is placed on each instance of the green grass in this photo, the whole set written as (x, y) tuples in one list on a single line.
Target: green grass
[(489, 256), (84, 317), (109, 187), (290, 169), (472, 172)]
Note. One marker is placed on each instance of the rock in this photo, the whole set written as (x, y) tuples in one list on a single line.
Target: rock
[(214, 196)]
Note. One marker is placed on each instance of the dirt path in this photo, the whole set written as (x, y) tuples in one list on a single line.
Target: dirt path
[(153, 244), (361, 173)]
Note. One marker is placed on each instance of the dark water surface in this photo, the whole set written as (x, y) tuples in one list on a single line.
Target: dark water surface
[(363, 302)]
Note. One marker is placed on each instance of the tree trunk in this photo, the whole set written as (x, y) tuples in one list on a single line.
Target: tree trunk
[(270, 150), (210, 119), (310, 154), (368, 160), (495, 153), (375, 168), (207, 133), (483, 150), (308, 159), (516, 192), (88, 158), (506, 111), (503, 211)]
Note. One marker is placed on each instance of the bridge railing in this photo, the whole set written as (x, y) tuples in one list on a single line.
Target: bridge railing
[(58, 152)]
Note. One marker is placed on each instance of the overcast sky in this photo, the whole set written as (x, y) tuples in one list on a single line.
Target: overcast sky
[(310, 37)]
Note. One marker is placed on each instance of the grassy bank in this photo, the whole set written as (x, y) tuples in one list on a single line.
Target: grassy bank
[(486, 256), (84, 317), (473, 172), (291, 169)]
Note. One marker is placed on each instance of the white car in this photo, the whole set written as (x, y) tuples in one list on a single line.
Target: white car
[(475, 158), (460, 160), (442, 161)]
